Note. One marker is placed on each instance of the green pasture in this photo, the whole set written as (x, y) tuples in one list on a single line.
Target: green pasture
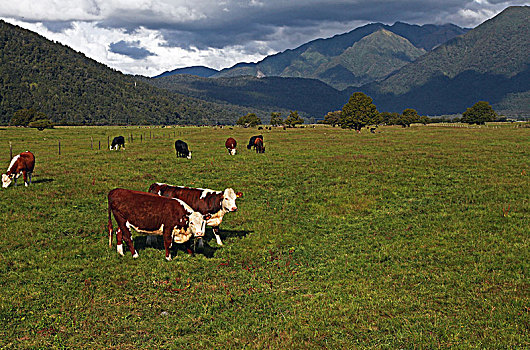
[(407, 238)]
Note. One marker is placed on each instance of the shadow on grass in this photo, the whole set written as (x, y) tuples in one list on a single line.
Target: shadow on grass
[(39, 181), (157, 242)]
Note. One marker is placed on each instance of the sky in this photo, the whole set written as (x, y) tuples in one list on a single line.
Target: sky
[(149, 37)]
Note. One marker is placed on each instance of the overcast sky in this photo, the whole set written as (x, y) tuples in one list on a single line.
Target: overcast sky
[(149, 37)]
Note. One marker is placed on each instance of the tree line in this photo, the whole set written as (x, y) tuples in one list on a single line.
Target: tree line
[(360, 111)]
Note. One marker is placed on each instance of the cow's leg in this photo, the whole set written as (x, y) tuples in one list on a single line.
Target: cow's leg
[(167, 241), (30, 174), (119, 241), (127, 237), (125, 234), (25, 175), (216, 234)]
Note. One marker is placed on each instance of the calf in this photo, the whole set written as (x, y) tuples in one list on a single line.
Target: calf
[(204, 201), (23, 163), (258, 143), (148, 213), (117, 142), (251, 142), (230, 145), (182, 150)]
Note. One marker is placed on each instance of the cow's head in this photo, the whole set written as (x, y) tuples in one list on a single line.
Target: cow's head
[(233, 151), (189, 155), (6, 180), (196, 224), (229, 199)]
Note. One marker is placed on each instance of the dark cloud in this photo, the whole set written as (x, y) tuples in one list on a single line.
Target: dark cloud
[(240, 25), (130, 49), (57, 26)]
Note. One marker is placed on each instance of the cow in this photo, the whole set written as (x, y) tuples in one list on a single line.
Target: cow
[(204, 201), (182, 150), (230, 145), (23, 163), (149, 213), (252, 140), (117, 142), (258, 143)]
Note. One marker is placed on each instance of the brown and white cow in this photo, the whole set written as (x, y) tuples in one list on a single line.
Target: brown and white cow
[(230, 145), (23, 163), (258, 143), (205, 201), (148, 213)]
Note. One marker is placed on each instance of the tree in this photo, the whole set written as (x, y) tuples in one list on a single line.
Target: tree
[(332, 118), (293, 119), (408, 117), (41, 124), (23, 117), (480, 113), (249, 120), (358, 112), (276, 119)]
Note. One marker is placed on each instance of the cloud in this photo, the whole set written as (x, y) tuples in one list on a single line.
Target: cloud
[(131, 49), (151, 36)]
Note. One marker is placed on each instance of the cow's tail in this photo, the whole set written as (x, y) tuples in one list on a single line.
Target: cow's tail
[(109, 227)]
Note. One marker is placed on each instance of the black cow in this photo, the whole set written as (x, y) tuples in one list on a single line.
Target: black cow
[(117, 142), (182, 150), (252, 141)]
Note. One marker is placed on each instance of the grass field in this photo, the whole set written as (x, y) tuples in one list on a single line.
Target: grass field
[(408, 238)]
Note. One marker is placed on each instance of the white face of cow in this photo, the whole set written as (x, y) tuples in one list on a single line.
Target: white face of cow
[(189, 155), (233, 151), (229, 200), (6, 180), (197, 224)]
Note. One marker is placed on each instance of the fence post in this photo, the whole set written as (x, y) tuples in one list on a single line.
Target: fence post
[(91, 143), (108, 141), (99, 144), (59, 147), (10, 150)]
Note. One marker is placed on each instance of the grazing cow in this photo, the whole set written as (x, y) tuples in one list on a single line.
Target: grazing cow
[(22, 163), (182, 150), (204, 201), (230, 145), (252, 140), (148, 213), (258, 143), (117, 142)]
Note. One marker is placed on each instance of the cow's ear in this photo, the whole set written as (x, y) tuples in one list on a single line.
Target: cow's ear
[(239, 194), (207, 216)]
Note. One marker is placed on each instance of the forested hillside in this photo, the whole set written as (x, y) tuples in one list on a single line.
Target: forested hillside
[(311, 97), (70, 88)]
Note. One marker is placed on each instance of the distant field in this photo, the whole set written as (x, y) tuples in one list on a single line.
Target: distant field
[(408, 238)]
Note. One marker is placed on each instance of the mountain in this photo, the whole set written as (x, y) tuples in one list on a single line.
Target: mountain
[(72, 89), (370, 59), (489, 63), (327, 59), (310, 97), (199, 71)]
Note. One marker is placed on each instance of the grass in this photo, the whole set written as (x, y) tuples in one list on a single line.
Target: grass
[(409, 238)]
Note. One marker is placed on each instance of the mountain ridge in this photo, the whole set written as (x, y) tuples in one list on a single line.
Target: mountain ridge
[(307, 58), (488, 63)]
